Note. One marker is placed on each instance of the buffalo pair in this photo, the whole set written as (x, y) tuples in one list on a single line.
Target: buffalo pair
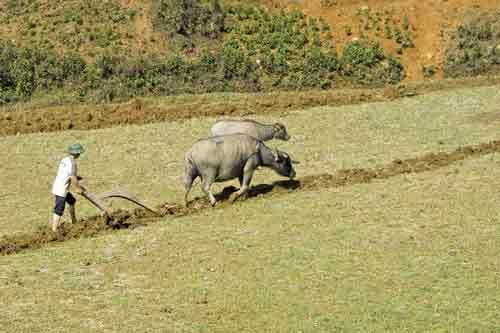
[(235, 150)]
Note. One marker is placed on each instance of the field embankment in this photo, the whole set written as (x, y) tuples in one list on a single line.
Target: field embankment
[(33, 118)]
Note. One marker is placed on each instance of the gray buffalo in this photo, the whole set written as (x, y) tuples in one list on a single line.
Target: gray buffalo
[(263, 132), (222, 158)]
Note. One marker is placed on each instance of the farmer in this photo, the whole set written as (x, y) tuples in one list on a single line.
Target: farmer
[(67, 174)]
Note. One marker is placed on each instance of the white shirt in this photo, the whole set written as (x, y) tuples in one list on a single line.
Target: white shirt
[(67, 168)]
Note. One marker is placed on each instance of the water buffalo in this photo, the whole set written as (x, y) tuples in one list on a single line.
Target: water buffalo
[(263, 132), (222, 158)]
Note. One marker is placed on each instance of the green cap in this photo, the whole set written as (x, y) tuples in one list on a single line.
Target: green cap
[(75, 149)]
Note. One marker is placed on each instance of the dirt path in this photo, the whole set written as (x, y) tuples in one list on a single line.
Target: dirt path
[(177, 108), (96, 225)]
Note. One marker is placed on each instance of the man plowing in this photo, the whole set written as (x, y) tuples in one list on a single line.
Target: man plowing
[(67, 174)]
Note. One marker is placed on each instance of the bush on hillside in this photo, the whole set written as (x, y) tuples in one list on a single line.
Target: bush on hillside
[(24, 70), (366, 63), (474, 47), (189, 17), (8, 54), (235, 63)]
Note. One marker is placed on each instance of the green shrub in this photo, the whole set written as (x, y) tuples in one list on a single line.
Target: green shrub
[(407, 41), (23, 70), (398, 35), (327, 3), (319, 68), (387, 28), (474, 47), (406, 23), (365, 63), (188, 17), (90, 77), (8, 55), (361, 53), (20, 7), (235, 63), (428, 71), (49, 72), (72, 66)]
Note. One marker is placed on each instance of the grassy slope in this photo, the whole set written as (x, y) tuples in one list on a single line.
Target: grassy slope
[(324, 139), (90, 27), (413, 253)]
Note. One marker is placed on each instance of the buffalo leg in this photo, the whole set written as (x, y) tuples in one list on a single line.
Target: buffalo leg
[(190, 175), (205, 187), (248, 171)]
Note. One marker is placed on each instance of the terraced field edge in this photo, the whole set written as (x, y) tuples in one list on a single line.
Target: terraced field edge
[(22, 119)]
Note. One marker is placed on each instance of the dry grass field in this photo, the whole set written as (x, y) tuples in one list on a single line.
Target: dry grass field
[(148, 160), (416, 252)]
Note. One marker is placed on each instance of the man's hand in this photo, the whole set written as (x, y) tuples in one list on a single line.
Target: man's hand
[(76, 184)]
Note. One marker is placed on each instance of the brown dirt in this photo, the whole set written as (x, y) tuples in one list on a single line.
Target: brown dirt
[(431, 22), (121, 219), (144, 111)]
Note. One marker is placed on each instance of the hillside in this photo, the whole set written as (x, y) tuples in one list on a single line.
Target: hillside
[(431, 25), (89, 27), (93, 51), (126, 25)]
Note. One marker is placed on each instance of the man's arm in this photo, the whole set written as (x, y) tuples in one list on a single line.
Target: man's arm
[(75, 179), (76, 184)]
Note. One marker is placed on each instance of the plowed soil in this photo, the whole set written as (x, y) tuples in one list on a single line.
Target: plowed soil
[(144, 111), (125, 219)]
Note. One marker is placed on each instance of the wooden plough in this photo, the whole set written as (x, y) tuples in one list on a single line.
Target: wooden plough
[(129, 197), (99, 204)]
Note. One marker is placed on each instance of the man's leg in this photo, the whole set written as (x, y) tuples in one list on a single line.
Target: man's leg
[(56, 220), (58, 212)]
